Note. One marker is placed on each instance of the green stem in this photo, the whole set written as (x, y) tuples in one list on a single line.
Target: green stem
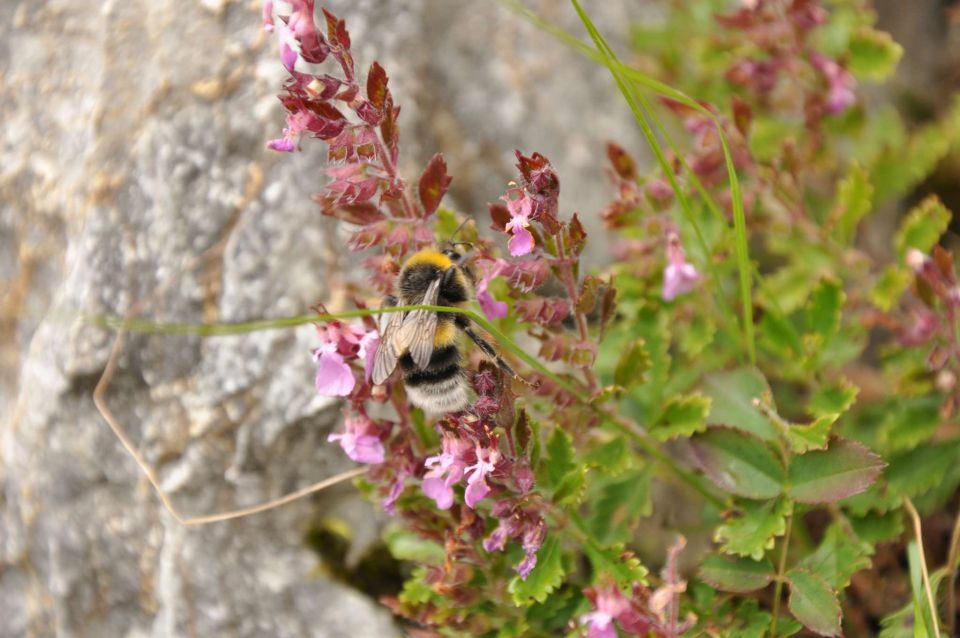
[(781, 570)]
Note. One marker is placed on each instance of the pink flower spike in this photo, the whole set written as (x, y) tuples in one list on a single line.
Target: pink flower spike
[(368, 349), (444, 471), (358, 441), (436, 488), (334, 376), (492, 308), (522, 241), (679, 277), (610, 603), (477, 487)]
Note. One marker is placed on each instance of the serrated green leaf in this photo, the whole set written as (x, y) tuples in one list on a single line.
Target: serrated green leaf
[(836, 398), (912, 421), (753, 533), (889, 287), (779, 335), (922, 227), (838, 557), (790, 285), (873, 54), (732, 394), (616, 561), (814, 436), (682, 415), (845, 468), (739, 463), (813, 603), (416, 590), (559, 459), (618, 503), (852, 203), (545, 577), (612, 457), (570, 489), (700, 334), (876, 528), (922, 468), (632, 365), (823, 311), (739, 575)]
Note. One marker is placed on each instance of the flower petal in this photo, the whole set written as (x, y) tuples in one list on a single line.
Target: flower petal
[(476, 490), (334, 377), (437, 489), (521, 243), (492, 308)]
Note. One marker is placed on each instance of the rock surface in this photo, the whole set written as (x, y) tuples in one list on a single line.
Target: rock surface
[(133, 170)]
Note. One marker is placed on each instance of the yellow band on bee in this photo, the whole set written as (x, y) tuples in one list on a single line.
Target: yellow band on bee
[(446, 334), (429, 257)]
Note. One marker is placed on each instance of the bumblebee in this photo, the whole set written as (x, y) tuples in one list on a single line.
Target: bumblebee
[(425, 342)]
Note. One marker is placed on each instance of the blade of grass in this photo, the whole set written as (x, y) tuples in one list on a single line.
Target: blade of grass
[(641, 108), (919, 573)]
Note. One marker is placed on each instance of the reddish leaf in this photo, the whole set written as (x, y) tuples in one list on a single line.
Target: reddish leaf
[(742, 115), (359, 214), (526, 275), (499, 215), (388, 127), (368, 112), (544, 311), (576, 235), (377, 85), (433, 184), (608, 306), (589, 293), (825, 476), (623, 164)]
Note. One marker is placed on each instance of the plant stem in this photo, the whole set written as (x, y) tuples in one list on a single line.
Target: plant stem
[(568, 280), (781, 569), (918, 535), (952, 577)]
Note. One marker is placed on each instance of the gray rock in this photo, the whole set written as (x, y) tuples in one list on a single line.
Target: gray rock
[(132, 168)]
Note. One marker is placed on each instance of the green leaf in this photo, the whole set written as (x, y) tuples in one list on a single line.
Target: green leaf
[(753, 532), (803, 438), (838, 558), (739, 463), (889, 287), (406, 545), (823, 311), (417, 590), (922, 227), (571, 487), (618, 503), (876, 528), (616, 561), (612, 457), (833, 399), (853, 201), (738, 575), (633, 364), (559, 459), (922, 468), (700, 334), (545, 577), (779, 335), (813, 603), (732, 394), (682, 415), (873, 54), (921, 608), (844, 469), (912, 421)]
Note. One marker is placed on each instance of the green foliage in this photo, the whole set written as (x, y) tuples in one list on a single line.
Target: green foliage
[(751, 532), (814, 603), (545, 578)]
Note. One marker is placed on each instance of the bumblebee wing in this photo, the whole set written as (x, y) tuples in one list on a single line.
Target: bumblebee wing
[(420, 328), (385, 359)]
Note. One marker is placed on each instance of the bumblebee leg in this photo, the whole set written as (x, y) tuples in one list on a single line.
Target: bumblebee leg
[(489, 350)]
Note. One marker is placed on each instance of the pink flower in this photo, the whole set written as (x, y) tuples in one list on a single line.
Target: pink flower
[(390, 503), (490, 269), (609, 603), (296, 124), (520, 206), (444, 471), (679, 277), (268, 15), (368, 349), (359, 440), (841, 83), (477, 487), (334, 376)]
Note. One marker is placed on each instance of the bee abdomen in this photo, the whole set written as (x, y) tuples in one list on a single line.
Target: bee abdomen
[(440, 387)]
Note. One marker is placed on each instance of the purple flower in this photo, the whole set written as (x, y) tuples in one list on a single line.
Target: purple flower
[(520, 207), (477, 487), (296, 124), (359, 441), (268, 15), (334, 376), (497, 540), (679, 277), (609, 604), (368, 349), (444, 471), (841, 83), (390, 503), (490, 269)]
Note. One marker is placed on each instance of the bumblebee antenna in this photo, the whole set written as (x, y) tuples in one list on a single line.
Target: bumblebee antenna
[(457, 232)]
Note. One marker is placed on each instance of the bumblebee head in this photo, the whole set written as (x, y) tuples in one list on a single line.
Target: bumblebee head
[(454, 251)]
